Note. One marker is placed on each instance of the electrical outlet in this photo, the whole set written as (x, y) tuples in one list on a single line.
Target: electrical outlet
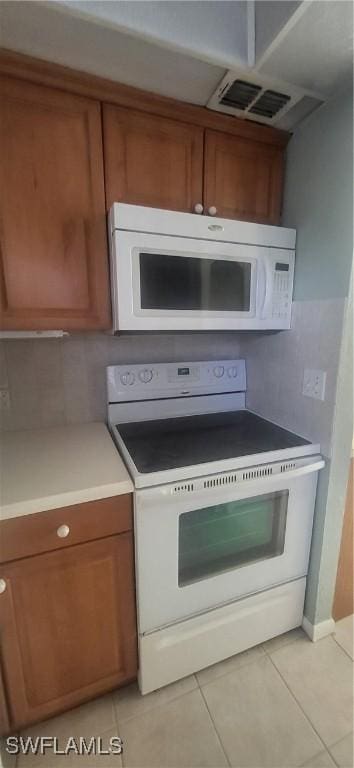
[(314, 383), (5, 402)]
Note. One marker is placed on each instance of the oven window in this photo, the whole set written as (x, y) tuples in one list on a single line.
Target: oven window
[(231, 535), (192, 283)]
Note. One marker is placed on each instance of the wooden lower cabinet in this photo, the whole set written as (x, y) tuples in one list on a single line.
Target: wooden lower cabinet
[(68, 627)]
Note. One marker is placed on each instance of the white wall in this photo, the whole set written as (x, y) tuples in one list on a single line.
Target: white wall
[(318, 201), (214, 31)]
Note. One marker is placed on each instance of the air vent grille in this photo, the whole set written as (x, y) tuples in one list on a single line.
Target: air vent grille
[(254, 473), (288, 466), (269, 103), (217, 481), (185, 488), (226, 480), (255, 96), (240, 94), (254, 99)]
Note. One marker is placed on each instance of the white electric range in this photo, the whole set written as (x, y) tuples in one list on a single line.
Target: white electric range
[(223, 511)]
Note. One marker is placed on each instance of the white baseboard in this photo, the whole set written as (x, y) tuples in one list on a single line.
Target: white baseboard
[(318, 631)]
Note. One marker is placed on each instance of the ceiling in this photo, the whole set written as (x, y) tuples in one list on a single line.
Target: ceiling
[(183, 49), (317, 53)]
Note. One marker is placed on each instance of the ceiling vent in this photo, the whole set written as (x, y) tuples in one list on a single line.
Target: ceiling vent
[(263, 99)]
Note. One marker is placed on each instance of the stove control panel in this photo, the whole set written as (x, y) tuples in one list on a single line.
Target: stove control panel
[(163, 380)]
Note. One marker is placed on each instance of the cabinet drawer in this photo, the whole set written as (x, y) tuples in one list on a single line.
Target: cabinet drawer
[(63, 527)]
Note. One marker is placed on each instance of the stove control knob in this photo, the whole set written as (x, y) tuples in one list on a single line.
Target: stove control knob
[(219, 371), (127, 378), (232, 372), (145, 375)]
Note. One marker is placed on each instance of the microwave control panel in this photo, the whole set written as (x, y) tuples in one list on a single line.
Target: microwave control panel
[(282, 288)]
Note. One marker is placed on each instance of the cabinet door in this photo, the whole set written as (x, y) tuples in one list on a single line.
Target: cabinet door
[(151, 160), (53, 269), (242, 178), (68, 629)]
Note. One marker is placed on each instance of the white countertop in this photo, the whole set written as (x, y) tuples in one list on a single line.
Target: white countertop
[(58, 466)]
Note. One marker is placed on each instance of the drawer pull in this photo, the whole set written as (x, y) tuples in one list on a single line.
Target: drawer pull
[(63, 531), (2, 586), (212, 211), (198, 208)]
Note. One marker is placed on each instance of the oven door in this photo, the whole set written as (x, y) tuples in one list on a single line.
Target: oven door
[(199, 547), (167, 283)]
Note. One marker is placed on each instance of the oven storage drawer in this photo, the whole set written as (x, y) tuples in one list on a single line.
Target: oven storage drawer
[(221, 543), (186, 647), (57, 528)]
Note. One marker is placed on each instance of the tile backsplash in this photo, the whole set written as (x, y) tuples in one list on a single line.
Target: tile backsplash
[(276, 363), (61, 381)]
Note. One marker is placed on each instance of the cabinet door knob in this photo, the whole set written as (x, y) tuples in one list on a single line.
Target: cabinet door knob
[(212, 211), (2, 586), (63, 531), (198, 208)]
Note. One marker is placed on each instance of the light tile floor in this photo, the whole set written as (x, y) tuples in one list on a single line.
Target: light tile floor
[(285, 703)]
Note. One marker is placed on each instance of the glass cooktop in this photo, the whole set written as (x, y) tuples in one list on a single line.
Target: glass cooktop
[(180, 442)]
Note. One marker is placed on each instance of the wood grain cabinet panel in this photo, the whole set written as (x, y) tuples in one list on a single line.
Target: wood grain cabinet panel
[(151, 160), (68, 629), (4, 712), (242, 178), (343, 604), (33, 534), (54, 260)]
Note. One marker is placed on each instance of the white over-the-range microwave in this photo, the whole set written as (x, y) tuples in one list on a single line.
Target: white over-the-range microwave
[(179, 271)]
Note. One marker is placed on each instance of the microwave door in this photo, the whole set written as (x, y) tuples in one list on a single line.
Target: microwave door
[(166, 283), (189, 282)]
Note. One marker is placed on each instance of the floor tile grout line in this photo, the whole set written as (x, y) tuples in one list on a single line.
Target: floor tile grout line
[(157, 706), (299, 705), (335, 744), (247, 663), (343, 649), (116, 720), (230, 672), (215, 728), (350, 733), (303, 765), (280, 647), (171, 701)]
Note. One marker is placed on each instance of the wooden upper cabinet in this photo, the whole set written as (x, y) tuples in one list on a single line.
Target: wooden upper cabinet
[(152, 160), (54, 260), (242, 178), (67, 625)]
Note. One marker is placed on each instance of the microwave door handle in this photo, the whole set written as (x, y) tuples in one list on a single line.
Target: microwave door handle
[(267, 279), (263, 278)]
